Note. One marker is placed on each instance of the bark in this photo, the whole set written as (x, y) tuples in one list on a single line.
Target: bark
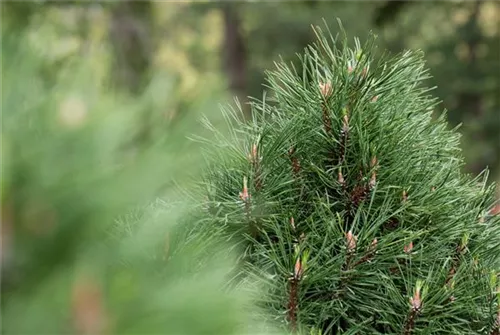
[(235, 54), (131, 42), (472, 101)]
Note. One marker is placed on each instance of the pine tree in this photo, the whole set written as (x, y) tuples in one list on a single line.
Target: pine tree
[(347, 199)]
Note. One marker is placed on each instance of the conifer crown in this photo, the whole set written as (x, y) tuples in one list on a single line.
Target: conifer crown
[(347, 198)]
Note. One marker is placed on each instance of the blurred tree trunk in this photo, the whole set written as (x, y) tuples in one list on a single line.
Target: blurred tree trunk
[(130, 38), (471, 100), (235, 54), (388, 11)]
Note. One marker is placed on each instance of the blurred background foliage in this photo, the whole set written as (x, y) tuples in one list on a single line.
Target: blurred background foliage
[(97, 101), (209, 46)]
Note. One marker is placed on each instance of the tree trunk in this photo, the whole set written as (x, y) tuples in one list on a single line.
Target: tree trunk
[(130, 38), (471, 100), (235, 54)]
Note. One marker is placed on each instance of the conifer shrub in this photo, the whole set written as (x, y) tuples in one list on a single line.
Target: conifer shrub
[(347, 199)]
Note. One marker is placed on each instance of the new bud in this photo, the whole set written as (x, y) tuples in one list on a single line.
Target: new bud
[(253, 154), (325, 89), (416, 299), (341, 178), (373, 179), (351, 241), (345, 124), (408, 248), (244, 196), (298, 269)]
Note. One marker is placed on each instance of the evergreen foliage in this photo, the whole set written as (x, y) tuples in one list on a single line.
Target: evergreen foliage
[(348, 201)]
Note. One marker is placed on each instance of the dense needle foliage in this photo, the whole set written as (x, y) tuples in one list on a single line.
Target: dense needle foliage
[(347, 198)]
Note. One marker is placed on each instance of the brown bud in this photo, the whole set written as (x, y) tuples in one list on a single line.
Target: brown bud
[(373, 179), (244, 196), (292, 223), (345, 124), (415, 301), (325, 89), (252, 156), (375, 98), (405, 196), (298, 269), (341, 178), (351, 241), (408, 248)]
